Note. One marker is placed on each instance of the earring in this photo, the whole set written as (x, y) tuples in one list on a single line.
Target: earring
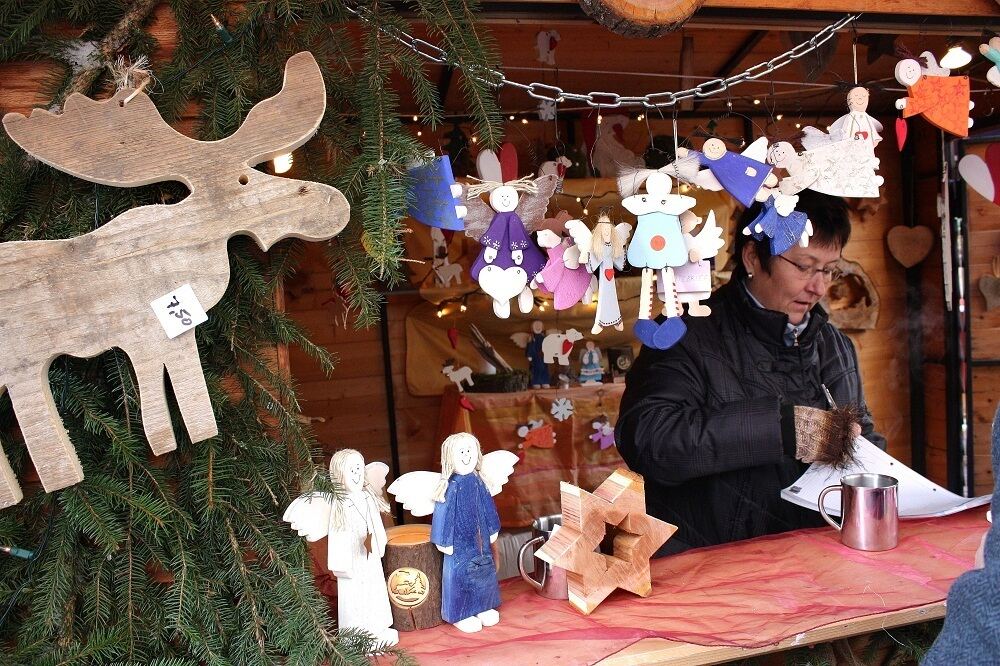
[(749, 276)]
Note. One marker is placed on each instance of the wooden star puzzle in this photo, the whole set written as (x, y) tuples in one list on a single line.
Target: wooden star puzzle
[(621, 503)]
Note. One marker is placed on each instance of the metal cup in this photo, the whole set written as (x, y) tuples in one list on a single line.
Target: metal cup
[(869, 511), (548, 581)]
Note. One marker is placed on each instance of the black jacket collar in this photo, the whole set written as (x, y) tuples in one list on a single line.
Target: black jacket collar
[(767, 325)]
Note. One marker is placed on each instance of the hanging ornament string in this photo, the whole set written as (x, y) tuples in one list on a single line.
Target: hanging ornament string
[(606, 100)]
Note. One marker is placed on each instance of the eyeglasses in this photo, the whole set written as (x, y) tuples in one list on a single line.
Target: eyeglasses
[(807, 272)]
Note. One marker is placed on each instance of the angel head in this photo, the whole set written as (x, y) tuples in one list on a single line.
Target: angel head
[(908, 72), (714, 148), (605, 233), (348, 470), (460, 454), (857, 99), (782, 155)]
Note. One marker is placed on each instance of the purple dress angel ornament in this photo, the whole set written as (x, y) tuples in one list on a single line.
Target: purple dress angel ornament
[(509, 260), (464, 525)]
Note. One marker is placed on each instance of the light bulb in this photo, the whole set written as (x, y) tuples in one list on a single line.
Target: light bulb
[(510, 117), (599, 119), (475, 139), (956, 57), (756, 102), (778, 117), (798, 125), (440, 313), (416, 118), (419, 133), (578, 199), (463, 307), (524, 121), (586, 212), (282, 163), (640, 117)]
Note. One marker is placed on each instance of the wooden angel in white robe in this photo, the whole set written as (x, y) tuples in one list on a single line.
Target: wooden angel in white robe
[(356, 541), (464, 525), (603, 249), (509, 260), (855, 125)]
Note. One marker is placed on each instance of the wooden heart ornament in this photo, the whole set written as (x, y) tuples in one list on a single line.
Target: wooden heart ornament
[(910, 245), (990, 286)]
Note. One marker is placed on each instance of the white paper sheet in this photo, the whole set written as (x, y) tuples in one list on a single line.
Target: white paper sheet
[(918, 497)]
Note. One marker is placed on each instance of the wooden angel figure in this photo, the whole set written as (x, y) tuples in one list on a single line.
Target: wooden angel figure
[(604, 250), (844, 168), (509, 260), (856, 125), (591, 370), (464, 524), (741, 174), (356, 541), (609, 155), (991, 51), (943, 100), (782, 155), (564, 276), (781, 223), (661, 243)]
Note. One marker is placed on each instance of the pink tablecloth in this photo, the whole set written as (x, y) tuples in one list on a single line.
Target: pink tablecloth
[(749, 594)]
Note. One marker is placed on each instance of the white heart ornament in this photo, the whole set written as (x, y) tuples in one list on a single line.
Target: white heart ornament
[(976, 173), (503, 284)]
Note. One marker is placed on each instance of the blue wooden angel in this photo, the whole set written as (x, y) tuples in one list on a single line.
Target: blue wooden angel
[(435, 197), (464, 525), (740, 174), (781, 223)]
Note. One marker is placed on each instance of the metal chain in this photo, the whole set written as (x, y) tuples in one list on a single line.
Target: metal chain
[(604, 100)]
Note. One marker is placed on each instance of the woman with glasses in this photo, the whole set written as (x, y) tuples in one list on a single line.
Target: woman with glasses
[(712, 422)]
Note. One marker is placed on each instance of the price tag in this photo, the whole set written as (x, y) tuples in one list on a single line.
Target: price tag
[(179, 311)]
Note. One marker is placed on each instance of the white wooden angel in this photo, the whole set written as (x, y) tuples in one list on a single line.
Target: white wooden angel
[(509, 260), (855, 125), (604, 251), (356, 544), (464, 525), (800, 176)]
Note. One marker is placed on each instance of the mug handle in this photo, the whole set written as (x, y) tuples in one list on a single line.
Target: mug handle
[(822, 508), (520, 563)]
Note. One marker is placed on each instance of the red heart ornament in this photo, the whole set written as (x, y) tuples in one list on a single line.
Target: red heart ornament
[(609, 274), (453, 337), (900, 132), (567, 347)]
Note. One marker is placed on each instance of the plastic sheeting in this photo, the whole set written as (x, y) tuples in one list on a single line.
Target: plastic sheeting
[(749, 594)]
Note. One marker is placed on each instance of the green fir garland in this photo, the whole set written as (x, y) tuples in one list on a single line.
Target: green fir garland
[(183, 558)]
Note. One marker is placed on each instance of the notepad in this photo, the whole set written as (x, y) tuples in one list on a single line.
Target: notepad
[(919, 497)]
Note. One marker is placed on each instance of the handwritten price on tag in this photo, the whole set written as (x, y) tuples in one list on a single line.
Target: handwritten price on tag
[(179, 311)]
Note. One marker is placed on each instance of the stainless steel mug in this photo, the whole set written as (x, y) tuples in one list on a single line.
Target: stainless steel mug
[(548, 581), (869, 511)]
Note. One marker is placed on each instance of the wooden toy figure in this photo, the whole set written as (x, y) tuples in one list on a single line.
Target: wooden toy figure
[(943, 100), (353, 525), (604, 250), (739, 174), (509, 259), (537, 367), (991, 51), (564, 276), (464, 525), (591, 371), (856, 125), (781, 223)]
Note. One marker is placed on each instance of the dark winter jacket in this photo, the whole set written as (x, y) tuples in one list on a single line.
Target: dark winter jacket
[(702, 421)]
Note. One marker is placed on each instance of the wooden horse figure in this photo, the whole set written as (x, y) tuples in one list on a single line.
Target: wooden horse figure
[(84, 295)]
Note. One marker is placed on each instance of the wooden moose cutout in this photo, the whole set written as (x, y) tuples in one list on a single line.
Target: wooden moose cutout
[(84, 295)]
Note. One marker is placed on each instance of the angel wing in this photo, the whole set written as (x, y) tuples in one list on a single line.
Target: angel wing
[(757, 150), (581, 236), (496, 470), (521, 339), (709, 240), (488, 166), (375, 474), (414, 491), (706, 180), (531, 207), (478, 215), (309, 515)]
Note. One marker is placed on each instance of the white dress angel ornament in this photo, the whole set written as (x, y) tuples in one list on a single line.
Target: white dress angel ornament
[(464, 525), (357, 539), (604, 251), (856, 125), (509, 260)]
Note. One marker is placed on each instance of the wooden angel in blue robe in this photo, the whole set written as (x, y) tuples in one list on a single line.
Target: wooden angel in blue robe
[(538, 369), (781, 223), (435, 197), (741, 174), (464, 525)]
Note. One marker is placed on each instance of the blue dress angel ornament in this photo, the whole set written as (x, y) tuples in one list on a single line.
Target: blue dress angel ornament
[(464, 524), (781, 223)]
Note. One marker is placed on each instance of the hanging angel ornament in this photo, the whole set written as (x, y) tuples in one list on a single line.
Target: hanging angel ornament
[(856, 125), (564, 276), (464, 524), (943, 100), (509, 260), (741, 174), (843, 168), (658, 246), (801, 175), (991, 51), (352, 522), (781, 224), (604, 251)]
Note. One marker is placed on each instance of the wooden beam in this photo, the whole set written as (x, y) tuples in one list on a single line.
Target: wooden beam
[(737, 58)]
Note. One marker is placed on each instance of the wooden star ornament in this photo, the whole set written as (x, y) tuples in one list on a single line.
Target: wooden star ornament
[(619, 502)]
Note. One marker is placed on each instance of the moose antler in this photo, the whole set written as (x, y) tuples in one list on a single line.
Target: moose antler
[(128, 144)]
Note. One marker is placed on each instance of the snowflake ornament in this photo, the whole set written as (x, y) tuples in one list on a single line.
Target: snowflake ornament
[(562, 408), (546, 110)]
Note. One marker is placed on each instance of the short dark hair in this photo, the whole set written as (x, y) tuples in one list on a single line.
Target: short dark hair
[(829, 217)]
